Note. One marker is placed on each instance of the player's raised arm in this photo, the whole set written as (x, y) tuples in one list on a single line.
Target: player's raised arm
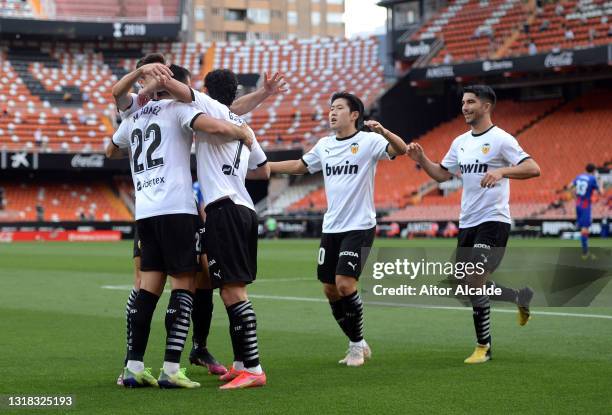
[(288, 167), (122, 88), (397, 146), (272, 86), (434, 170)]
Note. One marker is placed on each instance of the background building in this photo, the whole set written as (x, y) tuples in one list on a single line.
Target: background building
[(229, 20)]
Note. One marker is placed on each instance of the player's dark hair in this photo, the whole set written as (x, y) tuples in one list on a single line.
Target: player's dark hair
[(483, 92), (151, 58), (222, 85), (179, 73), (355, 104), (590, 168)]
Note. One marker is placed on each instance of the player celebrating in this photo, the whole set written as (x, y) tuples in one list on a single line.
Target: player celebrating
[(486, 156), (231, 226), (348, 160), (584, 185), (159, 138)]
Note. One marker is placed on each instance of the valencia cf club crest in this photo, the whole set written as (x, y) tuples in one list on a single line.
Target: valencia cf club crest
[(486, 148), (354, 148)]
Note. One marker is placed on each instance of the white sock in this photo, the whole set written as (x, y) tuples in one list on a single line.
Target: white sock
[(135, 366), (360, 343), (257, 370), (238, 365), (171, 368)]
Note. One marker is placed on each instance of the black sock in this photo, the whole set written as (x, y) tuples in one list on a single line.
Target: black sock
[(509, 295), (177, 324), (140, 323), (129, 306), (337, 308), (201, 316), (481, 313), (353, 316), (243, 329)]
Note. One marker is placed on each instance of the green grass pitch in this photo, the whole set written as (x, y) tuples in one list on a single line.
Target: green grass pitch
[(62, 333)]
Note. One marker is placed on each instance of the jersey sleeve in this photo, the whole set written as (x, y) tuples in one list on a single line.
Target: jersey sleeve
[(134, 106), (257, 158), (203, 101), (186, 114), (121, 138), (312, 159), (512, 151), (450, 162), (380, 147)]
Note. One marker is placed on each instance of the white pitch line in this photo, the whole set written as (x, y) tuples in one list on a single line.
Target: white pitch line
[(381, 303)]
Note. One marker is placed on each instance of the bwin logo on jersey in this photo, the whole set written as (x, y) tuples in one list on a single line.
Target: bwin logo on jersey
[(474, 168), (341, 169)]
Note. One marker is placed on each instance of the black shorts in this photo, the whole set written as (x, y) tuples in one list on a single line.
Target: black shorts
[(343, 253), (200, 232), (136, 247), (231, 243), (168, 243), (484, 243)]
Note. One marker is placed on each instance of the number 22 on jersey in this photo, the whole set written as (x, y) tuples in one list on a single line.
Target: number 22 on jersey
[(149, 142)]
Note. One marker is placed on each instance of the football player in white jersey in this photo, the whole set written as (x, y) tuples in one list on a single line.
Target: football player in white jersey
[(348, 161), (487, 157), (159, 138), (231, 226), (151, 72)]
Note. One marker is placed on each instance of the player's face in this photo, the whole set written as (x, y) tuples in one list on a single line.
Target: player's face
[(473, 108), (340, 115)]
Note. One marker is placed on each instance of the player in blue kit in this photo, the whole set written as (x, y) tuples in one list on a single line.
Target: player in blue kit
[(584, 185)]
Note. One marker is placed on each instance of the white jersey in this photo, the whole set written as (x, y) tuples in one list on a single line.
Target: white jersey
[(473, 155), (223, 165), (132, 108), (349, 166), (159, 138)]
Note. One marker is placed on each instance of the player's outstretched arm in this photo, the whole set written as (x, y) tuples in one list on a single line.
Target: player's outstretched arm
[(122, 88), (225, 129), (288, 167), (434, 170), (397, 146), (272, 86), (260, 173), (525, 170)]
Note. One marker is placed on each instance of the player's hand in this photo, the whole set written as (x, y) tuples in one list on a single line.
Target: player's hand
[(376, 127), (156, 70), (247, 137), (275, 85), (415, 151), (491, 178)]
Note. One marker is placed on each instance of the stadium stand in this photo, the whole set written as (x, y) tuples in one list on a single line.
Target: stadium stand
[(565, 25), (483, 29), (15, 8), (105, 10), (63, 202), (473, 29), (58, 84)]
